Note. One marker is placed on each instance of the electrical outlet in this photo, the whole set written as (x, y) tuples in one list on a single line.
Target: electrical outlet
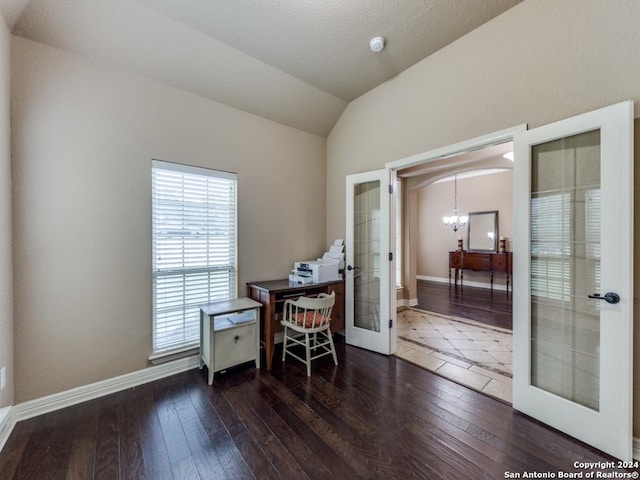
[(3, 378)]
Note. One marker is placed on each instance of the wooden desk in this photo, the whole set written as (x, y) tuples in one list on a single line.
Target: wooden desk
[(272, 295), (460, 260)]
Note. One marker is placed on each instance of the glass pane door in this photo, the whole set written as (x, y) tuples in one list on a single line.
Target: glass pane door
[(369, 300), (573, 276), (565, 267), (366, 278)]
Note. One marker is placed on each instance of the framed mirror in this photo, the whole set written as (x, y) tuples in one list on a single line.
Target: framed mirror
[(482, 231)]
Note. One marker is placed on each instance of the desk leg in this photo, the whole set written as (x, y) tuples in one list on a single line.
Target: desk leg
[(269, 320)]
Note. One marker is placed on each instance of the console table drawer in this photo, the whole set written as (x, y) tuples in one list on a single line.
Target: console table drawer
[(477, 261), (501, 263)]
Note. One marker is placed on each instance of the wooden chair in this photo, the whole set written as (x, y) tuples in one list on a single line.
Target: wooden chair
[(307, 322)]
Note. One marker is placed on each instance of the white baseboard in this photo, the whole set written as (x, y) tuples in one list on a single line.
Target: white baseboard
[(57, 401), (403, 302), (496, 286)]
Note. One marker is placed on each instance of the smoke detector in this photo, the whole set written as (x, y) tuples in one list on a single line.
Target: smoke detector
[(376, 44)]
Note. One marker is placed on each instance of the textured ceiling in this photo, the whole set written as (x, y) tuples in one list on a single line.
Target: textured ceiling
[(326, 43), (297, 62)]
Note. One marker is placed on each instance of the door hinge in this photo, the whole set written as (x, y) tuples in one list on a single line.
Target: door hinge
[(391, 256), (390, 322), (390, 188)]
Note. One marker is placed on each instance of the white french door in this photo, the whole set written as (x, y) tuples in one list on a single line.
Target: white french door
[(573, 274), (369, 303)]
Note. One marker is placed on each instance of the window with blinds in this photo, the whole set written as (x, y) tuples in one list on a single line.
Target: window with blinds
[(194, 248)]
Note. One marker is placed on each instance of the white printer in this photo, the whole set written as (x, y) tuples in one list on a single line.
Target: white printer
[(314, 271)]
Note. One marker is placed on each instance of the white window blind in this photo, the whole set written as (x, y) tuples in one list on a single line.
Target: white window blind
[(550, 246), (194, 248)]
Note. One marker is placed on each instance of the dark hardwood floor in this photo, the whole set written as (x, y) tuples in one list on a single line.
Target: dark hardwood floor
[(473, 303), (371, 417)]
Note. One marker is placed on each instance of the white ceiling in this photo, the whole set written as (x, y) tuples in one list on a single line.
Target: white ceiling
[(298, 62)]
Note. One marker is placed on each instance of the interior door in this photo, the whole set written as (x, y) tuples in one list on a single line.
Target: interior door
[(573, 273), (369, 303)]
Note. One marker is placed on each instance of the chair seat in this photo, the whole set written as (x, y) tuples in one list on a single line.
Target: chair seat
[(310, 319)]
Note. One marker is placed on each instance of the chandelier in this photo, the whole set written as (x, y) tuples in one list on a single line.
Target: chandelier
[(455, 221)]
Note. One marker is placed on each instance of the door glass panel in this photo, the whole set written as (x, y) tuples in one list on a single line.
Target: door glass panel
[(565, 267), (366, 255)]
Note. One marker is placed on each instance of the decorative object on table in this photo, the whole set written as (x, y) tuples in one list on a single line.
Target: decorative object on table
[(455, 221), (503, 245), (460, 244)]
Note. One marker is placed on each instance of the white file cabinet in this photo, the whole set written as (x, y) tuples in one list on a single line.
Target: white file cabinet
[(229, 334)]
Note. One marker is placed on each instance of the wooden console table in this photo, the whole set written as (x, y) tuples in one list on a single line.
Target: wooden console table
[(272, 295), (460, 260)]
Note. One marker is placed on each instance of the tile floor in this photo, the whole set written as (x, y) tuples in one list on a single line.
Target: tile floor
[(465, 351)]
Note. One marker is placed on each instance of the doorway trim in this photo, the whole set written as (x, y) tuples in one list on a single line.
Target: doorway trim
[(477, 143), (448, 151)]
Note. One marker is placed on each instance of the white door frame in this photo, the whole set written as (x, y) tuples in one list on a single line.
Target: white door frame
[(477, 143)]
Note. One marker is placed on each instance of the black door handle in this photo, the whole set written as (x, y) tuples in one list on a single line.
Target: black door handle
[(609, 297), (349, 267)]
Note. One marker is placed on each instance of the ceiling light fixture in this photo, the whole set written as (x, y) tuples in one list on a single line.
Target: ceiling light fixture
[(455, 221), (376, 44)]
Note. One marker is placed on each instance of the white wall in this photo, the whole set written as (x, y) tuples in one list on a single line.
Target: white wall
[(6, 270), (476, 194), (83, 138), (540, 61)]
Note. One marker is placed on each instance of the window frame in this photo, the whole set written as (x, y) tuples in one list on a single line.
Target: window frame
[(194, 265)]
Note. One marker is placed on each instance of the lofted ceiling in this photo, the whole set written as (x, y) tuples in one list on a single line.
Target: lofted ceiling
[(298, 62)]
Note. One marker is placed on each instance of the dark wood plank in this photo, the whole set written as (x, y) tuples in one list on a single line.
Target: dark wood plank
[(372, 416), (221, 412), (154, 449), (107, 446), (130, 442), (250, 404), (178, 451), (473, 303), (14, 449), (83, 451), (49, 448)]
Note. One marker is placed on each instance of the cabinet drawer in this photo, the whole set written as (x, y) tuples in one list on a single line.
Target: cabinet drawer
[(499, 263), (234, 346), (477, 261)]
